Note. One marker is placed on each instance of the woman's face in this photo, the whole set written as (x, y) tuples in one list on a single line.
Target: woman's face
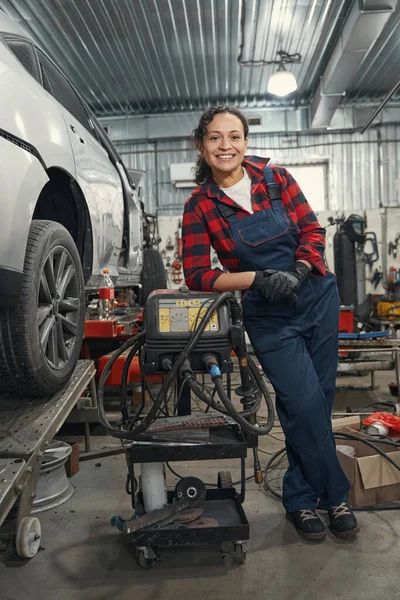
[(224, 145)]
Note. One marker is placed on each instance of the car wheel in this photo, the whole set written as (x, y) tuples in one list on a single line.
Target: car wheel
[(153, 274), (41, 337)]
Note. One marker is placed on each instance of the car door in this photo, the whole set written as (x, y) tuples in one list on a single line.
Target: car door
[(99, 180)]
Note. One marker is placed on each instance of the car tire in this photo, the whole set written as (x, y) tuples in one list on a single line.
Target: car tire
[(153, 274), (41, 337)]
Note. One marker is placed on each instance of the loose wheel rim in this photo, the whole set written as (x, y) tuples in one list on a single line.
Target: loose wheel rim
[(58, 307)]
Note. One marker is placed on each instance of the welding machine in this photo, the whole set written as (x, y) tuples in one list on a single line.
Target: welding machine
[(170, 319), (187, 334)]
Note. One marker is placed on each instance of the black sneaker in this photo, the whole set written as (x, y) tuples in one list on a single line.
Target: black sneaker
[(342, 520), (308, 524)]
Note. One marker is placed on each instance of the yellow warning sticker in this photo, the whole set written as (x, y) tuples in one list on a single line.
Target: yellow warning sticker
[(194, 321), (187, 303), (164, 320)]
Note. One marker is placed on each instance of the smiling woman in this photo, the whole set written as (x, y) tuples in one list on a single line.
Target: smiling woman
[(221, 146), (271, 246), (223, 149)]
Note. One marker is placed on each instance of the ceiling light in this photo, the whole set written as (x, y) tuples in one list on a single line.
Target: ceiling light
[(282, 83)]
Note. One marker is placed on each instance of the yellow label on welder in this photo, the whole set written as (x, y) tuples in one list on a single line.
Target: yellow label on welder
[(164, 320), (188, 303), (212, 325)]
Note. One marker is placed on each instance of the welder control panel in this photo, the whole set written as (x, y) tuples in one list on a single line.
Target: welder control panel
[(184, 315)]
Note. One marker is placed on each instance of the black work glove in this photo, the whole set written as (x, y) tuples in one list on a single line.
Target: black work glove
[(279, 285), (260, 281)]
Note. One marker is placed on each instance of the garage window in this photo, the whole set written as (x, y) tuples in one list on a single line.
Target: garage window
[(57, 85), (312, 179), (25, 53)]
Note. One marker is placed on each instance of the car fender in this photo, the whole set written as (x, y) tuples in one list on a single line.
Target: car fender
[(22, 179)]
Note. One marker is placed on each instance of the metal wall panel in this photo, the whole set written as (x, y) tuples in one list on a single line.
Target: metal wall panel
[(361, 169)]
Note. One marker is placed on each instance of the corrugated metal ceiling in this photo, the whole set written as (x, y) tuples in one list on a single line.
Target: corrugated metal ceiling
[(147, 56)]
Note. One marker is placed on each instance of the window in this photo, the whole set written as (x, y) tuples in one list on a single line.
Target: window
[(57, 85), (25, 53), (312, 179)]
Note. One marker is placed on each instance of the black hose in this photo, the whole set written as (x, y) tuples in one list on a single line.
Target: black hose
[(137, 340), (264, 391), (162, 395), (350, 436), (203, 395), (231, 410), (207, 399), (267, 468), (124, 380)]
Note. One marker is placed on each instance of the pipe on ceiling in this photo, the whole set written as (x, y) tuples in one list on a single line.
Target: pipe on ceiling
[(364, 24), (380, 107)]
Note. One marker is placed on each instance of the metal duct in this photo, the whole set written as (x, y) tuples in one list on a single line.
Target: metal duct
[(360, 32)]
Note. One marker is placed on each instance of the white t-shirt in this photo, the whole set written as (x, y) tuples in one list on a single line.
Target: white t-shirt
[(240, 193)]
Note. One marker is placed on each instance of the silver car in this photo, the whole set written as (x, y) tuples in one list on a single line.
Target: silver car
[(68, 210)]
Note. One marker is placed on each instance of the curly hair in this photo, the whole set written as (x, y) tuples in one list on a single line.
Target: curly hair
[(202, 169)]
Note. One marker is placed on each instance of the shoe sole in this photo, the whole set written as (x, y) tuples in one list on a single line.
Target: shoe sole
[(345, 534), (310, 537)]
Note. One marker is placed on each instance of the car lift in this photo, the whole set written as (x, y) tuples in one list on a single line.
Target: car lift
[(27, 426)]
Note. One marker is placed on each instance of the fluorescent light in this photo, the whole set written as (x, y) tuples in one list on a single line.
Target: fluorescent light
[(282, 83)]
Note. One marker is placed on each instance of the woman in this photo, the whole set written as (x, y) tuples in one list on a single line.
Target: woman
[(268, 238)]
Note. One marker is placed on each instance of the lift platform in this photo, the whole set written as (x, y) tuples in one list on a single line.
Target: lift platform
[(27, 426)]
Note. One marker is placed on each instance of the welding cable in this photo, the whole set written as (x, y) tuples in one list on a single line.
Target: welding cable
[(236, 416), (203, 394), (342, 436), (143, 394), (170, 379), (134, 342), (145, 423), (209, 400), (124, 378)]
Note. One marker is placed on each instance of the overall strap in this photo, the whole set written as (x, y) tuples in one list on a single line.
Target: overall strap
[(273, 188), (226, 211)]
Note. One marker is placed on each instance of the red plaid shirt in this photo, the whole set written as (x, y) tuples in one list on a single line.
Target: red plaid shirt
[(203, 225)]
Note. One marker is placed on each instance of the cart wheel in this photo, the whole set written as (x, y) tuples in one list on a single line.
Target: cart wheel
[(28, 537), (146, 558), (225, 480), (240, 552)]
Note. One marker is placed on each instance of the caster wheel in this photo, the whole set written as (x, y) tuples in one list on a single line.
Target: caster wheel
[(28, 538), (234, 552), (240, 552), (146, 558), (224, 480)]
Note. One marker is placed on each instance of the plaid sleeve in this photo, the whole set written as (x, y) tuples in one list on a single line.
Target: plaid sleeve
[(311, 234), (196, 251)]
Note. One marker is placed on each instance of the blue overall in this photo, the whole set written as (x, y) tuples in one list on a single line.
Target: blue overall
[(296, 344)]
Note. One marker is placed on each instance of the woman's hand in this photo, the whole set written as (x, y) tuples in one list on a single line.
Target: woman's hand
[(279, 285)]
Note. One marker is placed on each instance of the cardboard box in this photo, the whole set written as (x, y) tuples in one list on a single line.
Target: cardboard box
[(352, 421), (373, 479)]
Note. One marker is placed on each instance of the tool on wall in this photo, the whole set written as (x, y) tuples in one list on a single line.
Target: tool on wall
[(392, 246), (176, 267)]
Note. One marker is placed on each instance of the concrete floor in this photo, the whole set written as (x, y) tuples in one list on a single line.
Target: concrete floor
[(83, 557)]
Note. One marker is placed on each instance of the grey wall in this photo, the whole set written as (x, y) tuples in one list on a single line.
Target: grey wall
[(363, 169)]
